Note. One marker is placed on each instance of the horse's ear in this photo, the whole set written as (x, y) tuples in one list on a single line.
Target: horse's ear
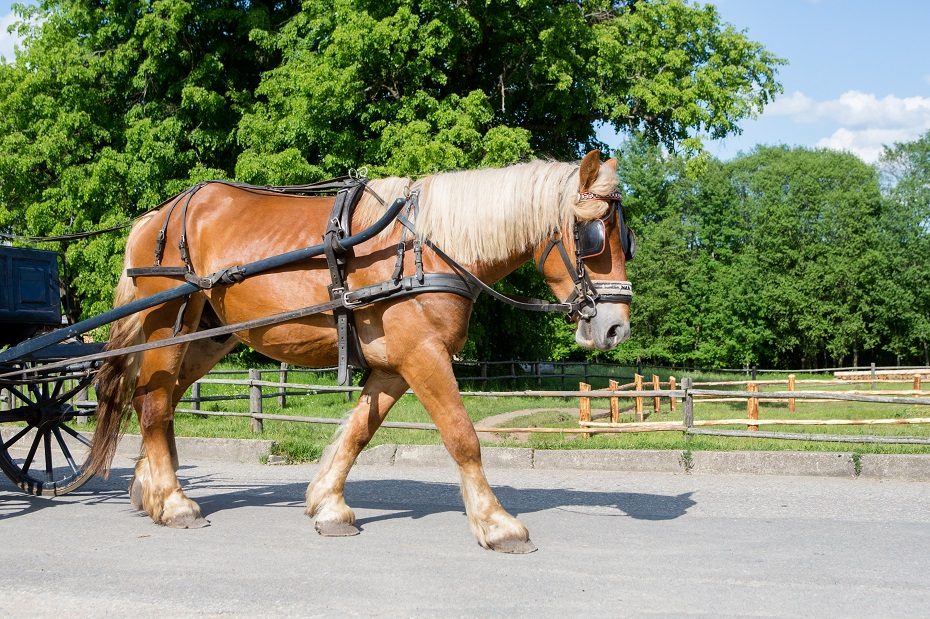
[(612, 164), (590, 166)]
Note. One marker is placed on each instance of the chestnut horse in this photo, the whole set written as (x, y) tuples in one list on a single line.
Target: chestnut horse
[(490, 220)]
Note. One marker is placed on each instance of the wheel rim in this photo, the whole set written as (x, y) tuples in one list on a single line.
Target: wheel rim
[(43, 453)]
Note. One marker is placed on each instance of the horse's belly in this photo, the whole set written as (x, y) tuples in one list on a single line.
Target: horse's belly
[(296, 343)]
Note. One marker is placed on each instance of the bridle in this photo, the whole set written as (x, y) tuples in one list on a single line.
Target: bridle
[(590, 240)]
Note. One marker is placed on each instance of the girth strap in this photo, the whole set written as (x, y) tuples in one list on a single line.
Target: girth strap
[(339, 227)]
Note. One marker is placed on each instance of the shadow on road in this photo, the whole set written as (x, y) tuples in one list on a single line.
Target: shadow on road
[(417, 499), (394, 499), (15, 503)]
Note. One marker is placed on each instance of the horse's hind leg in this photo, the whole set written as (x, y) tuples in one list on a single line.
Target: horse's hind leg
[(155, 488), (325, 494), (199, 358), (429, 373)]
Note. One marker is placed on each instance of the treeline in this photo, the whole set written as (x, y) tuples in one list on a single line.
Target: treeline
[(782, 257), (779, 258)]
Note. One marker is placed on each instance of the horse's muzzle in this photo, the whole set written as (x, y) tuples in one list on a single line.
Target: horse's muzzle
[(606, 330)]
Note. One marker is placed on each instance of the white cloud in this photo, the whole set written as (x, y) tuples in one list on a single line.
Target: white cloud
[(864, 122), (7, 40)]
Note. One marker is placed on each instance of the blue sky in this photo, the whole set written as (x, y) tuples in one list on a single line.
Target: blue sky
[(858, 73)]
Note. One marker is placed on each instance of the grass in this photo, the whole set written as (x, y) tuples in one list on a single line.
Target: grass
[(301, 442)]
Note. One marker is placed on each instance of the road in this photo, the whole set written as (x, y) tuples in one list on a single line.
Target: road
[(610, 544)]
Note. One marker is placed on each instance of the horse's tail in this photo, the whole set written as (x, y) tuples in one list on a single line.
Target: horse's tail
[(116, 382)]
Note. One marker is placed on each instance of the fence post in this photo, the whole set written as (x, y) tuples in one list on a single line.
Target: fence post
[(791, 401), (513, 374), (689, 402), (80, 397), (917, 385), (614, 402), (484, 374), (656, 401), (584, 407), (638, 385), (195, 396), (562, 376), (538, 373), (282, 392), (872, 386), (671, 400), (752, 406), (754, 370), (586, 373), (255, 400)]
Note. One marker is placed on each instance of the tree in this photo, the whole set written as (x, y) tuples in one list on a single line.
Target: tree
[(113, 106), (904, 306)]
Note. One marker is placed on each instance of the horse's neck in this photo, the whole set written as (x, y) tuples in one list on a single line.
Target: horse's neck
[(490, 272)]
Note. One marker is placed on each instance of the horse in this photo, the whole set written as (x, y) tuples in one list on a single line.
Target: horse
[(490, 220)]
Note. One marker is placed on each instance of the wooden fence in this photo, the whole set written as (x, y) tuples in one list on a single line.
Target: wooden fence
[(637, 392)]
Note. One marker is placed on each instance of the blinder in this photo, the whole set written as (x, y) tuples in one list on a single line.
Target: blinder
[(591, 236)]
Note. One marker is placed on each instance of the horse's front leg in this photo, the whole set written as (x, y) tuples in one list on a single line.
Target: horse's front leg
[(325, 494), (430, 375)]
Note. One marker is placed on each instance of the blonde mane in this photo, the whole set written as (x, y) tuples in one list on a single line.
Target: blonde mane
[(490, 214)]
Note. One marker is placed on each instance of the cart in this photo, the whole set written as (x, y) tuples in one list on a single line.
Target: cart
[(42, 448)]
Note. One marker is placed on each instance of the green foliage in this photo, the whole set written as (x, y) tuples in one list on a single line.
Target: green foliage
[(114, 106), (777, 258)]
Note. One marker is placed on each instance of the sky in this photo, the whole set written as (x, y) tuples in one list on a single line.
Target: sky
[(858, 75)]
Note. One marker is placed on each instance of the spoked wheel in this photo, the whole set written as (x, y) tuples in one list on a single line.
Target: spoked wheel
[(41, 450)]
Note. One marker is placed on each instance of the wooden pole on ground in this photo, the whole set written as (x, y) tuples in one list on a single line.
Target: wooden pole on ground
[(584, 406), (752, 407), (791, 401), (671, 401), (656, 402), (614, 402), (638, 386), (255, 401)]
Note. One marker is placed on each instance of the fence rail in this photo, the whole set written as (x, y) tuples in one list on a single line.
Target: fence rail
[(688, 392)]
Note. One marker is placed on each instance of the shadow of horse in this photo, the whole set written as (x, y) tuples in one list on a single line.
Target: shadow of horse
[(394, 499), (416, 499)]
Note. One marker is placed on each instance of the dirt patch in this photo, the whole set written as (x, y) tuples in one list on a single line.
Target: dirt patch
[(506, 419)]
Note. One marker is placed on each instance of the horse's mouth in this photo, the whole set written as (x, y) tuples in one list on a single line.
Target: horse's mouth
[(588, 335)]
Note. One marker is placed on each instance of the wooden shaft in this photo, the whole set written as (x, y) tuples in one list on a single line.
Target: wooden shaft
[(791, 401), (752, 408), (614, 402)]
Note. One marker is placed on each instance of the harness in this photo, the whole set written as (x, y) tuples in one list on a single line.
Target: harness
[(343, 300)]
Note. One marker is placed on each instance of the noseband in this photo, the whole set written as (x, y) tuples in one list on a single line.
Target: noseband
[(587, 293)]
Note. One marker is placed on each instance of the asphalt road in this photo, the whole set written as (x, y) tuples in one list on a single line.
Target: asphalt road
[(610, 544)]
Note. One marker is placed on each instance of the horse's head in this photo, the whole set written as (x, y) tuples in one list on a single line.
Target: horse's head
[(584, 263)]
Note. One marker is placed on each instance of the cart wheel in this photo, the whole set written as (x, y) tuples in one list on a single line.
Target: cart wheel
[(42, 452)]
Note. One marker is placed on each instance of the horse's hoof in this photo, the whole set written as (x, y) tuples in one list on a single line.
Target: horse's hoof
[(514, 547), (188, 522), (135, 493), (335, 529)]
